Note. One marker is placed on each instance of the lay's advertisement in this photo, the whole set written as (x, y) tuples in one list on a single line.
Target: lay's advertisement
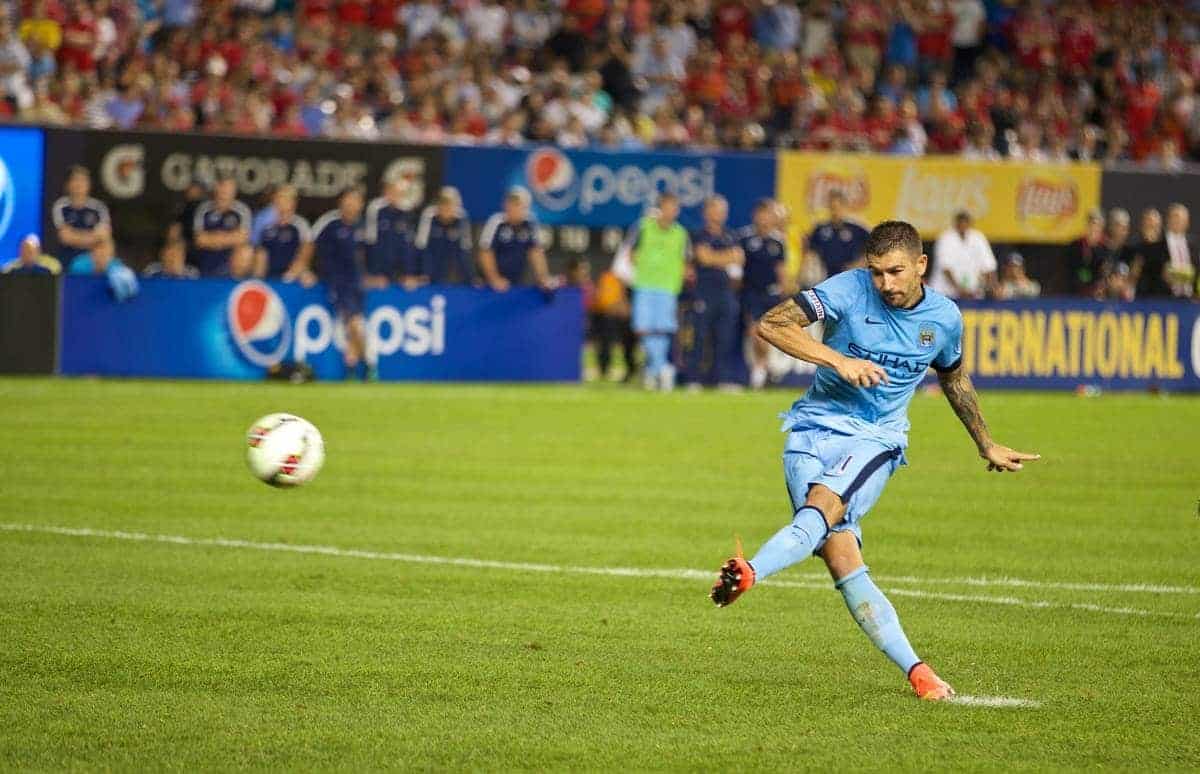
[(1010, 201)]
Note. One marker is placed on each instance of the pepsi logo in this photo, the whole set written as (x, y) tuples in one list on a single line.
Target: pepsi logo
[(259, 323), (550, 176), (8, 197)]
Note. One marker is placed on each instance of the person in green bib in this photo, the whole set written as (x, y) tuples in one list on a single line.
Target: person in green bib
[(658, 248)]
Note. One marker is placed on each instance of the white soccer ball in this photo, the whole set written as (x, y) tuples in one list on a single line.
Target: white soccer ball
[(284, 450)]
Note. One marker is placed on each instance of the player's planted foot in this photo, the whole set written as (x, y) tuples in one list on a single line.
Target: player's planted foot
[(928, 685), (735, 578)]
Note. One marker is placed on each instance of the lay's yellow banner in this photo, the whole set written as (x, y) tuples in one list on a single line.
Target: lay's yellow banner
[(1010, 201)]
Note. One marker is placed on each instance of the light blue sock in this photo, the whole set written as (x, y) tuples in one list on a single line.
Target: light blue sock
[(877, 617), (794, 543), (658, 349)]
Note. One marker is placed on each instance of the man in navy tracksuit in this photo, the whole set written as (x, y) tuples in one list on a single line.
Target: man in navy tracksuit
[(81, 221), (508, 245), (221, 225), (718, 261), (278, 254), (762, 280), (444, 240), (390, 253), (338, 241)]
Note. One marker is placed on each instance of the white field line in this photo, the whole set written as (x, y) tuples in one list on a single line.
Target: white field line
[(490, 564), (993, 701)]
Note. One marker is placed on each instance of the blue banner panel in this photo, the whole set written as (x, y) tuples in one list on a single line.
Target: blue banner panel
[(20, 187), (224, 329), (1065, 344), (600, 188)]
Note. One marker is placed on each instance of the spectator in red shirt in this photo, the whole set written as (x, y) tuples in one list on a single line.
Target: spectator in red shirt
[(1142, 100), (881, 124), (706, 82), (866, 29), (79, 39), (731, 18), (1077, 39), (933, 26), (1035, 37)]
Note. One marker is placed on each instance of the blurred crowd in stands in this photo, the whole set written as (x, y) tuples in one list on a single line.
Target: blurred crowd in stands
[(1025, 79)]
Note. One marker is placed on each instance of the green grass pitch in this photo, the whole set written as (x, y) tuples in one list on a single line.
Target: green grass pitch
[(135, 654)]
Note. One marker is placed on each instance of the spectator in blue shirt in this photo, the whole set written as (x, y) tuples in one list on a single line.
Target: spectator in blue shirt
[(777, 25), (443, 239), (80, 220), (31, 260), (102, 261), (508, 245), (180, 13), (718, 263), (837, 242), (221, 224)]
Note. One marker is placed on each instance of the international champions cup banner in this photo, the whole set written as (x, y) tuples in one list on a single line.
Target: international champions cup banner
[(1010, 201), (222, 329), (1062, 344), (1065, 344)]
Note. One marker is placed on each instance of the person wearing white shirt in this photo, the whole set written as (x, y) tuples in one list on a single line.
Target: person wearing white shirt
[(1180, 272), (487, 23), (966, 34), (964, 266)]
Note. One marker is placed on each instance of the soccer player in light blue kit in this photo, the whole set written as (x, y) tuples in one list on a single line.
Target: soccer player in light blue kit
[(847, 435)]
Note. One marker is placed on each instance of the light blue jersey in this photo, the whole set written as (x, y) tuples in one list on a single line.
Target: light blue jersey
[(906, 342)]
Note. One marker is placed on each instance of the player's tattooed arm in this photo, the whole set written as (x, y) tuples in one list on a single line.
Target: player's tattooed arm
[(960, 392), (783, 328)]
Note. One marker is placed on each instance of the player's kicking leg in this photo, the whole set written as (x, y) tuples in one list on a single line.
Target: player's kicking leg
[(810, 533)]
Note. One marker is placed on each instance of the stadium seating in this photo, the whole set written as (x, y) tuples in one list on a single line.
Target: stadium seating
[(1107, 79)]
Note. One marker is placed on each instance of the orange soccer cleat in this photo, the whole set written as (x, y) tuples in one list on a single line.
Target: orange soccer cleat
[(928, 685), (735, 578)]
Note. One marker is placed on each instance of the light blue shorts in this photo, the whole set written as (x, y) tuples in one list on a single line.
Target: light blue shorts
[(855, 468), (655, 311)]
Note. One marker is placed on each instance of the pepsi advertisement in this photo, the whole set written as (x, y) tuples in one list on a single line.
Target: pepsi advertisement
[(224, 329), (600, 188), (20, 187)]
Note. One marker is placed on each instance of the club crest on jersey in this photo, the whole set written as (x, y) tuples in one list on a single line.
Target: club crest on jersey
[(925, 337)]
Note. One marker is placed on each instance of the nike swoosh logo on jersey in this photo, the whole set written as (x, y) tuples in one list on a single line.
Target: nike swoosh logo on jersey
[(875, 322)]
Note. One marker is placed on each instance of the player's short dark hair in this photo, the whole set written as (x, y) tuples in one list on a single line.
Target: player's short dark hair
[(79, 169), (893, 235), (667, 196)]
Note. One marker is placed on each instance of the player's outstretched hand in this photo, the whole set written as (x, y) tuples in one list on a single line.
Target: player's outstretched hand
[(861, 373), (1002, 459)]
